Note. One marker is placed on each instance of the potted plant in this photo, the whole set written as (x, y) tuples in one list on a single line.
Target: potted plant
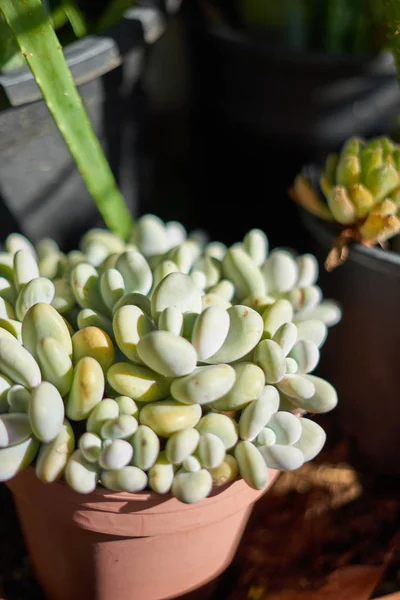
[(105, 48), (355, 219), (352, 212), (144, 387), (152, 384)]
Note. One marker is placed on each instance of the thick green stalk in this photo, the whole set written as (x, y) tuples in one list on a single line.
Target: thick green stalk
[(42, 50), (391, 9)]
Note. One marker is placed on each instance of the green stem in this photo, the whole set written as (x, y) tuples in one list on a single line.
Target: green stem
[(391, 9), (42, 50), (58, 17)]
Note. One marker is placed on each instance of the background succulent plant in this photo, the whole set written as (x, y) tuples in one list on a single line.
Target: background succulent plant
[(165, 362), (361, 189)]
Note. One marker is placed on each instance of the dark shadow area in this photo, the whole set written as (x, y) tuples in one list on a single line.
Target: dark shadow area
[(8, 223)]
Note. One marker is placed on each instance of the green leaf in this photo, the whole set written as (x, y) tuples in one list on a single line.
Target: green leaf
[(10, 56), (75, 17)]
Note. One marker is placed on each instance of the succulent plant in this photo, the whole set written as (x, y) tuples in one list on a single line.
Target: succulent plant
[(359, 189), (167, 361)]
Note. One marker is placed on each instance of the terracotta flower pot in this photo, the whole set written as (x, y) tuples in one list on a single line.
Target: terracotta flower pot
[(123, 546)]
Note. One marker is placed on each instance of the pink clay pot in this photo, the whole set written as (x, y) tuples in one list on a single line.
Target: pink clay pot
[(108, 545)]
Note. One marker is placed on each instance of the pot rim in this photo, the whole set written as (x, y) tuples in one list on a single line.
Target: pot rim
[(376, 63), (384, 261), (90, 57), (144, 514), (145, 496)]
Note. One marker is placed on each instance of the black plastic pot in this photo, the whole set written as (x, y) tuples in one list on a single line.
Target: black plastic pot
[(313, 100), (41, 190), (361, 357), (259, 114)]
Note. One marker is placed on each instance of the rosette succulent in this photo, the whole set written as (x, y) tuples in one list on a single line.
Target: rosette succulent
[(359, 189), (168, 362)]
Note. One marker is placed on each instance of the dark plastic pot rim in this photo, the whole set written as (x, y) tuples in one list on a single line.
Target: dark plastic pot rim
[(90, 57), (380, 63), (384, 261)]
